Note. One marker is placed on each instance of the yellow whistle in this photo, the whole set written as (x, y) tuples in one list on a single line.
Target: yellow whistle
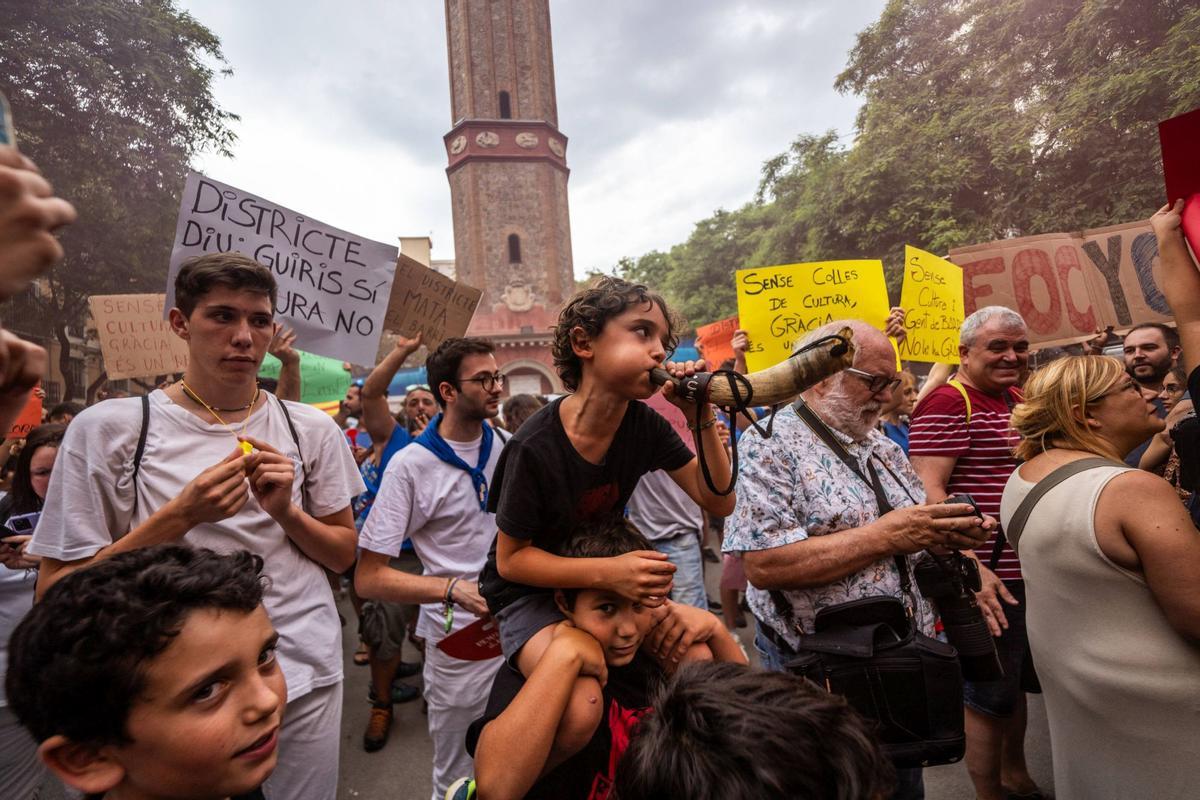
[(247, 448)]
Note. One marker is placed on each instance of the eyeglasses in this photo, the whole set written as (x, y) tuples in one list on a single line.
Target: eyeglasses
[(415, 386), (876, 383), (490, 382), (1127, 386)]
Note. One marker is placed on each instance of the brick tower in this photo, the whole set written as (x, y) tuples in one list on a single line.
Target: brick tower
[(508, 180)]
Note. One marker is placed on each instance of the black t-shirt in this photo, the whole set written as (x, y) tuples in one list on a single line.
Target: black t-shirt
[(542, 487), (589, 774)]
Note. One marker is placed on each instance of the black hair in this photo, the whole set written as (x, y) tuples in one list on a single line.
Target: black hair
[(606, 536), (1169, 334), (67, 407), (590, 309), (77, 661), (442, 364), (24, 499), (200, 275), (725, 731)]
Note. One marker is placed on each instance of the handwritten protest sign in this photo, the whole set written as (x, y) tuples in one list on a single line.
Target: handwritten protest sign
[(673, 415), (1068, 286), (333, 285), (932, 297), (427, 302), (135, 340), (715, 340), (322, 380), (29, 418), (779, 305)]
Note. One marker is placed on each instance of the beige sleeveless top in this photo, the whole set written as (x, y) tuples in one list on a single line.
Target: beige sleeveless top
[(1122, 687)]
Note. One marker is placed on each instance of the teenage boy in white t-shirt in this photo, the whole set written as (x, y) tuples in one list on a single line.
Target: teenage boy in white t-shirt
[(434, 492), (224, 465)]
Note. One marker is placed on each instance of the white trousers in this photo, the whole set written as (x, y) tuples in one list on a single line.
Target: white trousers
[(457, 693), (308, 747)]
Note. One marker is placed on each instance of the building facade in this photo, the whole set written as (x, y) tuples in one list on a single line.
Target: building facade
[(508, 181)]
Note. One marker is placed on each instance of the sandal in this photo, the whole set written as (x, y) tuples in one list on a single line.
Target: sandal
[(361, 658)]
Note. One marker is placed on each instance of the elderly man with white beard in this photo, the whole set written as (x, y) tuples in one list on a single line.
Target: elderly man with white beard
[(810, 529)]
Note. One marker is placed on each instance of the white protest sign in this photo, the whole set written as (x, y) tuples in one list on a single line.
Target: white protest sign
[(333, 285)]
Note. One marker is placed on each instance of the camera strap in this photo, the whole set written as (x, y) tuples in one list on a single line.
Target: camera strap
[(818, 426)]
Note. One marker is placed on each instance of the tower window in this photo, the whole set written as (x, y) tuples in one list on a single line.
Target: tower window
[(505, 109), (514, 249)]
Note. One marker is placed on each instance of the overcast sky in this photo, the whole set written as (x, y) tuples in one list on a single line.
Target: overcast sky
[(670, 108)]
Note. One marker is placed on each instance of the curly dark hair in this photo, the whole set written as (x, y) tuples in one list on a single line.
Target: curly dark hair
[(606, 536), (590, 309), (200, 275), (76, 662), (730, 732), (442, 364)]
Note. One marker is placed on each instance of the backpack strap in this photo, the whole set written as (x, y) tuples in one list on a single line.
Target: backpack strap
[(1017, 524), (966, 398), (141, 443), (287, 417)]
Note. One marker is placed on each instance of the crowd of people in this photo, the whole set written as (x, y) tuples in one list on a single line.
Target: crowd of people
[(170, 576)]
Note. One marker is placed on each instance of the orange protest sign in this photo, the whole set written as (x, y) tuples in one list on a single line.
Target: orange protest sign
[(715, 340), (30, 417)]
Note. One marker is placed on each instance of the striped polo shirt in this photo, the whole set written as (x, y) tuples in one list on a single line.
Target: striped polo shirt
[(983, 450)]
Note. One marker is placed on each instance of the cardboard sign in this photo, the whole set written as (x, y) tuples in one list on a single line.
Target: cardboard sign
[(479, 641), (1178, 138), (29, 418), (135, 340), (715, 341), (322, 380), (333, 285), (674, 416), (932, 298), (779, 305), (427, 302), (1067, 286)]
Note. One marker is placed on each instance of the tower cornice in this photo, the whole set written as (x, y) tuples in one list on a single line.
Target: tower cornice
[(505, 140)]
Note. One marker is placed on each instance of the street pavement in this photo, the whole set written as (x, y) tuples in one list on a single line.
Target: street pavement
[(402, 771)]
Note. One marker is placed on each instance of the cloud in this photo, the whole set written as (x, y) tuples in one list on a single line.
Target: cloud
[(670, 107)]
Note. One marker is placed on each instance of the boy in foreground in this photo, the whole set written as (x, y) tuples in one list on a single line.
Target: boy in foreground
[(606, 637), (580, 458), (152, 674)]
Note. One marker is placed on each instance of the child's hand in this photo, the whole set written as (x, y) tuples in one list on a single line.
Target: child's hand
[(686, 369), (582, 646), (681, 627), (643, 576)]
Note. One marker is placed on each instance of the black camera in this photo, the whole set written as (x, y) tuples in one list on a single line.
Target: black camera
[(950, 582)]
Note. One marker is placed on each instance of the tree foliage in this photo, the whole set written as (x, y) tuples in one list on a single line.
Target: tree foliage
[(112, 99), (981, 119)]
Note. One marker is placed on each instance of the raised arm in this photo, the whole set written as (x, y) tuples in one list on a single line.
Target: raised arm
[(1179, 279), (288, 387), (376, 416)]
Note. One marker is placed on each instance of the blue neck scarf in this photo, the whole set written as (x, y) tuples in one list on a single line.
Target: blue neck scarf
[(432, 441)]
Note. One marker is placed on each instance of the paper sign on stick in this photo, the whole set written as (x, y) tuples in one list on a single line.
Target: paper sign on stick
[(931, 296), (425, 301), (779, 305), (29, 418), (1178, 137), (333, 285), (135, 340), (715, 340)]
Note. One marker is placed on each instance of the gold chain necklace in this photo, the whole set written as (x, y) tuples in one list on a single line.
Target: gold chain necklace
[(246, 446)]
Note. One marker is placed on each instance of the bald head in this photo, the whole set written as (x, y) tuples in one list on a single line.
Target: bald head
[(869, 341)]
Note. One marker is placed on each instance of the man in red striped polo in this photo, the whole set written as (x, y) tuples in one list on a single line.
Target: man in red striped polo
[(960, 442)]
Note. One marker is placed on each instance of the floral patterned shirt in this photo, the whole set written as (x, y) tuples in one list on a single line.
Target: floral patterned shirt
[(791, 487)]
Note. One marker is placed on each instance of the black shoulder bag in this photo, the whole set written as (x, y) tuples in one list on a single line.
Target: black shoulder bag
[(871, 652)]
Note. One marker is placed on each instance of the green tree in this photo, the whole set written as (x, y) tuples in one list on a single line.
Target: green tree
[(112, 99)]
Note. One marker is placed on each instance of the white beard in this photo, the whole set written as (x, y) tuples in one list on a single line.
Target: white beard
[(848, 415)]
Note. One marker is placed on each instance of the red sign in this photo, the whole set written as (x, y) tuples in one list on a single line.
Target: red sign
[(1181, 169), (30, 417), (715, 340), (479, 641)]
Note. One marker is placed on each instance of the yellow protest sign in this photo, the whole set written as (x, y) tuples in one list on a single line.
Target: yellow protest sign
[(777, 306), (932, 297)]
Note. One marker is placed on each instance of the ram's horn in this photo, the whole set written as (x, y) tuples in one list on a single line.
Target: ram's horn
[(776, 384)]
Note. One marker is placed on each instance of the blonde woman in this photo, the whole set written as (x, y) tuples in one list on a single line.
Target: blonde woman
[(1111, 562)]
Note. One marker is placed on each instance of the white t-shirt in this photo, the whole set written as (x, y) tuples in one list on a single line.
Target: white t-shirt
[(90, 503), (661, 510), (424, 499)]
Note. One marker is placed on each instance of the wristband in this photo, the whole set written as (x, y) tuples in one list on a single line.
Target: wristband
[(711, 421)]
